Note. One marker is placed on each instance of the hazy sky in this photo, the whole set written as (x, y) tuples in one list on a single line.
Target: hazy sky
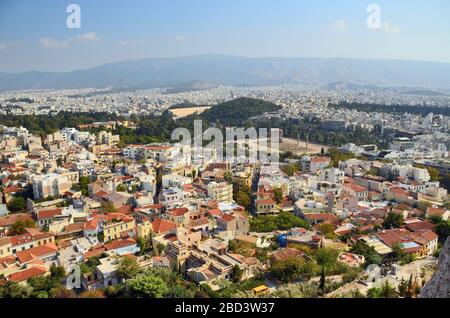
[(34, 35)]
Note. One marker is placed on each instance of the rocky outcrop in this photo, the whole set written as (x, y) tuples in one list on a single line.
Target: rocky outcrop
[(439, 285)]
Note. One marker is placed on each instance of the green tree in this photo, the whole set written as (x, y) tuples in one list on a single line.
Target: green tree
[(14, 290), (278, 195), (385, 291), (237, 274), (326, 258), (160, 248), (281, 221), (393, 220), (128, 268), (293, 269), (327, 229), (369, 253), (122, 188), (144, 286), (142, 244), (17, 204), (20, 226)]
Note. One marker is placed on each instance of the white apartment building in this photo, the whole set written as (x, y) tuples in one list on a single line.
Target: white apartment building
[(50, 185), (222, 192), (332, 175)]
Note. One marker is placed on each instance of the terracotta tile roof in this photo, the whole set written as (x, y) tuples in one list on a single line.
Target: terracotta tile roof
[(119, 244), (93, 253), (435, 211), (265, 201), (8, 260), (48, 214), (420, 226), (215, 212), (162, 226), (228, 218), (92, 224), (357, 188), (178, 211), (21, 239), (325, 217), (10, 219), (110, 217), (36, 252), (320, 160), (27, 274), (12, 189), (101, 194), (125, 209)]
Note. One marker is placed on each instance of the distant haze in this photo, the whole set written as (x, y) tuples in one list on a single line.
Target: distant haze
[(237, 71)]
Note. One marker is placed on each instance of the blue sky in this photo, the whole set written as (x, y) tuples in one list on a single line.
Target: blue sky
[(34, 35)]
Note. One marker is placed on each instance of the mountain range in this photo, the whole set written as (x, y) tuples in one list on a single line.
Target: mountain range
[(213, 70)]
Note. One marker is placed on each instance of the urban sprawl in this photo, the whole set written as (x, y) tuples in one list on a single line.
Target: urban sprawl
[(85, 212)]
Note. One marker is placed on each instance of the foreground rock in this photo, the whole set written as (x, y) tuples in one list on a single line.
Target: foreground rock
[(439, 285)]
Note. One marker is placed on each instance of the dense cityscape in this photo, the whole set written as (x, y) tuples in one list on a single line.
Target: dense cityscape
[(86, 213), (204, 157)]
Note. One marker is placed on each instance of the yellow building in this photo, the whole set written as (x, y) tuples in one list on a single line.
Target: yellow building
[(144, 230), (116, 224), (5, 247)]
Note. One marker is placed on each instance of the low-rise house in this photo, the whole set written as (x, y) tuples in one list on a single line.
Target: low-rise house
[(266, 206), (32, 238), (438, 212), (122, 247), (22, 276), (117, 225), (46, 253)]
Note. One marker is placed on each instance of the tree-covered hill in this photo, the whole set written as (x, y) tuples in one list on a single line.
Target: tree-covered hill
[(238, 111)]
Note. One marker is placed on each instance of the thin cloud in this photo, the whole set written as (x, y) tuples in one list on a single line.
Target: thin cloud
[(6, 46), (390, 28), (180, 38), (51, 43), (340, 25)]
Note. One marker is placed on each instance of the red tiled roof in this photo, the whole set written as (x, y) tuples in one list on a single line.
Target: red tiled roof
[(10, 219), (12, 189), (118, 216), (119, 244), (101, 193), (36, 252), (215, 212), (27, 274), (322, 216), (178, 211), (162, 226), (265, 201), (125, 209), (228, 218), (92, 224), (48, 214), (357, 188), (93, 253), (435, 211), (320, 160)]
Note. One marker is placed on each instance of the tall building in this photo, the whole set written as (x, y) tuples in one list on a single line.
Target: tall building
[(50, 185), (222, 192)]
